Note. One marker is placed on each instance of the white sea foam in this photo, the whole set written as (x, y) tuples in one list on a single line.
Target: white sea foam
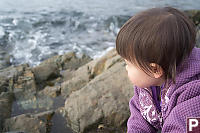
[(100, 54), (2, 33)]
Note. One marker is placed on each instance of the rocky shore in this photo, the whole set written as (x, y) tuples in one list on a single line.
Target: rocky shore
[(67, 94)]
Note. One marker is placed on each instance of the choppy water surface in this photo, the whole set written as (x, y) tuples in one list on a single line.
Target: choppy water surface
[(32, 31)]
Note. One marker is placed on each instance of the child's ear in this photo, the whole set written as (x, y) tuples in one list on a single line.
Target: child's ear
[(157, 70)]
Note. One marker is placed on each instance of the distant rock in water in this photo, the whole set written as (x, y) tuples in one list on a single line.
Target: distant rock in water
[(4, 55), (4, 59), (194, 15)]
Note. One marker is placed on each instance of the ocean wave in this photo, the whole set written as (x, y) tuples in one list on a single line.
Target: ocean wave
[(33, 35)]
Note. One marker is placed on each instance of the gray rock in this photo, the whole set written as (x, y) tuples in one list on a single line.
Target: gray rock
[(91, 91), (75, 80), (26, 123), (104, 99), (24, 85), (13, 71), (16, 132), (50, 69), (7, 77), (52, 91), (78, 79), (67, 61), (38, 123), (3, 85), (45, 72), (17, 79), (72, 62), (34, 103), (102, 64), (67, 74), (59, 60), (20, 80), (110, 62), (6, 99)]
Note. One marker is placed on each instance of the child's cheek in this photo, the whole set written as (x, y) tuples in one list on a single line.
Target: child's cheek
[(131, 77), (130, 74)]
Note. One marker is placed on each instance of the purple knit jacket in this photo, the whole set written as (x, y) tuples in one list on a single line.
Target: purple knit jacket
[(178, 101)]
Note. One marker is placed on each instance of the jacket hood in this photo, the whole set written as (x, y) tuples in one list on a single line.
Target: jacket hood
[(186, 88), (189, 69)]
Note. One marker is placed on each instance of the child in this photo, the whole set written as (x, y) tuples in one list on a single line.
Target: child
[(158, 46)]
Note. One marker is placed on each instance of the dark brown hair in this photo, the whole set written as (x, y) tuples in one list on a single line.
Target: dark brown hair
[(164, 36)]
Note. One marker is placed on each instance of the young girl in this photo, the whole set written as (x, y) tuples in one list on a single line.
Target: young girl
[(158, 46)]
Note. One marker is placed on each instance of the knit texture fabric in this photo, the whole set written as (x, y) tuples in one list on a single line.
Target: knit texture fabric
[(179, 101)]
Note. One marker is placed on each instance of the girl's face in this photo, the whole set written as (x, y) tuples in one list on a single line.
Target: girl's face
[(139, 78)]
